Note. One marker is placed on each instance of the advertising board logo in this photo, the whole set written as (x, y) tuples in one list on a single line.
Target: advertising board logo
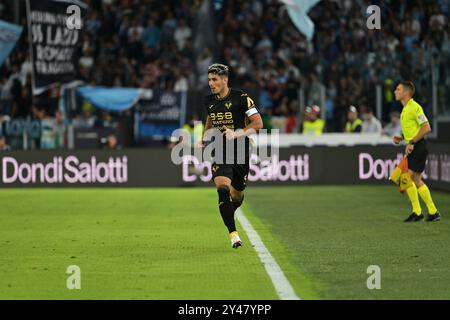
[(67, 169), (294, 169)]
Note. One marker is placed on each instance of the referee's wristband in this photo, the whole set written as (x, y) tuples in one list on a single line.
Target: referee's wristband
[(412, 142)]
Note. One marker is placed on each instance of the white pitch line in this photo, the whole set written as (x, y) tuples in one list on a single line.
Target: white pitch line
[(279, 280)]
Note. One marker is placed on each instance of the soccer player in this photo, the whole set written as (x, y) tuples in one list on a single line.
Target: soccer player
[(234, 113), (415, 127)]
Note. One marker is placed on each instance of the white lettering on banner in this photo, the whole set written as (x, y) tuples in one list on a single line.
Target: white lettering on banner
[(47, 17), (61, 36), (54, 35), (294, 169), (190, 173), (378, 168), (68, 170), (50, 53)]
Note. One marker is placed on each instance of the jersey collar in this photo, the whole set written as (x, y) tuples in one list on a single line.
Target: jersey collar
[(228, 94), (409, 102)]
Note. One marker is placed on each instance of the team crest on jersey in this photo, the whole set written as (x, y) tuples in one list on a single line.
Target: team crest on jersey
[(228, 105)]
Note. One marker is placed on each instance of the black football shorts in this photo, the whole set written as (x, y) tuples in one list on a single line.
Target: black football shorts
[(237, 173), (418, 157)]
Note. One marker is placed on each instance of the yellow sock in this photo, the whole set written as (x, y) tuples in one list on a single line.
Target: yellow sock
[(425, 194), (414, 198)]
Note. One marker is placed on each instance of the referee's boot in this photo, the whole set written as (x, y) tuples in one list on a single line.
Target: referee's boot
[(236, 242), (414, 217), (434, 217)]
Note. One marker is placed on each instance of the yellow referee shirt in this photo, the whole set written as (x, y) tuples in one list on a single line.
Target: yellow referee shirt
[(412, 118)]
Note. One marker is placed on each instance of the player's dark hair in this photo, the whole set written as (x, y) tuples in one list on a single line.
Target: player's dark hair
[(409, 85), (219, 69)]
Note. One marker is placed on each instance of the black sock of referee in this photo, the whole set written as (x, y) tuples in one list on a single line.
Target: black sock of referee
[(226, 208)]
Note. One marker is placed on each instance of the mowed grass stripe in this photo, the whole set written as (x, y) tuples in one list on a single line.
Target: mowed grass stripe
[(129, 244), (333, 233)]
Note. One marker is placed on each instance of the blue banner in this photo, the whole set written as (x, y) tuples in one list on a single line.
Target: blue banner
[(110, 99), (160, 113), (9, 34)]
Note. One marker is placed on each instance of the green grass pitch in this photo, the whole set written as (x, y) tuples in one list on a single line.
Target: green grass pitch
[(171, 244)]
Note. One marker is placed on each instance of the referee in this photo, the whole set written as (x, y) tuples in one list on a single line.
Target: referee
[(415, 127)]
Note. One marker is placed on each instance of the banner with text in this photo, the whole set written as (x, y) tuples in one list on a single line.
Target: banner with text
[(55, 38), (159, 113), (154, 168)]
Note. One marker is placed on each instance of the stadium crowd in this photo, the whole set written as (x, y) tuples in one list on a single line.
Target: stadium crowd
[(345, 58), (150, 44)]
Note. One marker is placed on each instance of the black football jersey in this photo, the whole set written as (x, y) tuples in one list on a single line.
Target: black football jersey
[(233, 112)]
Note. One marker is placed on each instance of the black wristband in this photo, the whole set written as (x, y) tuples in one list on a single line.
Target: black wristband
[(412, 142)]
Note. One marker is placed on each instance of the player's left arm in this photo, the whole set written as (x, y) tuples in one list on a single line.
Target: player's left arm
[(254, 125), (425, 127), (424, 130), (253, 115)]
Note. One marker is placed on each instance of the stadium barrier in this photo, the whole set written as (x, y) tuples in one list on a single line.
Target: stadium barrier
[(318, 165)]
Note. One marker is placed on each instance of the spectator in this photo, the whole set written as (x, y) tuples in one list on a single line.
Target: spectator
[(112, 142), (48, 130), (393, 128), (136, 30), (87, 119), (313, 125), (3, 145), (194, 128), (354, 124), (182, 34), (203, 62), (152, 34), (370, 124), (60, 130), (181, 82)]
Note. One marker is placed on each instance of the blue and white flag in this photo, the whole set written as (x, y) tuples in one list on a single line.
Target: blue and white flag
[(110, 99), (9, 34), (298, 11)]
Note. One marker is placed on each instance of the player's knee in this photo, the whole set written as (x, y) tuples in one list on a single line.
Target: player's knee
[(417, 178), (418, 181), (224, 192)]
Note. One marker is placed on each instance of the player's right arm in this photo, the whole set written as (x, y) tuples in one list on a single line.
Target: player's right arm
[(397, 139)]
